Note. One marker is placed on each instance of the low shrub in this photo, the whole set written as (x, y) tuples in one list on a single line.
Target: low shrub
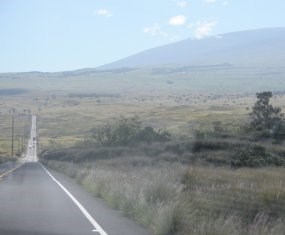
[(252, 155), (127, 131), (4, 159)]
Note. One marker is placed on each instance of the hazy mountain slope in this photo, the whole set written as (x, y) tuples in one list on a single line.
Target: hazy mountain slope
[(252, 47)]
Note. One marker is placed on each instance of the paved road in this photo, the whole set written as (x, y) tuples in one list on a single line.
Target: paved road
[(34, 200), (32, 145)]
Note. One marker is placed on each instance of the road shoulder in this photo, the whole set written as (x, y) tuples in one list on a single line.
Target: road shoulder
[(111, 220)]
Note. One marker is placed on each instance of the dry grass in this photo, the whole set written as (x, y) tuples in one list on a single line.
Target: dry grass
[(66, 120), (170, 198)]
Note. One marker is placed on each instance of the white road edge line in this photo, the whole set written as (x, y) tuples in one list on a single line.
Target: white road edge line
[(96, 226), (11, 170)]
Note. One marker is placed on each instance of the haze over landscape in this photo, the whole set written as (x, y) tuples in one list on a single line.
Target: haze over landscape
[(263, 47), (160, 117), (59, 36)]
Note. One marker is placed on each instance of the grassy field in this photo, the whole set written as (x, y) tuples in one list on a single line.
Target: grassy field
[(168, 188), (69, 104), (173, 198)]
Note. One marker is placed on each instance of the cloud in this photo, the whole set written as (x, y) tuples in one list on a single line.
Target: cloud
[(203, 29), (182, 3), (104, 13), (178, 20), (155, 30)]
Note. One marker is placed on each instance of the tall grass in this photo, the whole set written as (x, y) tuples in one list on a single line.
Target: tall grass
[(170, 198), (4, 159)]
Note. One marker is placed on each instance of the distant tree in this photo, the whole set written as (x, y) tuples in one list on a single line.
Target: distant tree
[(267, 118)]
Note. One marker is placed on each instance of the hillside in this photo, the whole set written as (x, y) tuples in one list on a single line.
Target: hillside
[(246, 48)]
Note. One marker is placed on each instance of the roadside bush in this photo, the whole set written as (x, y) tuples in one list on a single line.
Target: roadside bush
[(7, 159), (127, 131), (216, 130), (201, 145), (255, 156), (80, 154), (149, 135)]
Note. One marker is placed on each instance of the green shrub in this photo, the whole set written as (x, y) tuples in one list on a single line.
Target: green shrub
[(255, 156), (149, 135), (200, 145), (127, 131)]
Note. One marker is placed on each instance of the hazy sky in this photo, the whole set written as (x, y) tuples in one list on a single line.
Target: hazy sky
[(56, 35)]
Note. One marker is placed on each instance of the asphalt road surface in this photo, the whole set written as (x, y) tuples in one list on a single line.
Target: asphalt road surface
[(35, 200)]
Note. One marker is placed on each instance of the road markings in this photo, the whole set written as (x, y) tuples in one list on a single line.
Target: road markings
[(9, 171), (97, 227)]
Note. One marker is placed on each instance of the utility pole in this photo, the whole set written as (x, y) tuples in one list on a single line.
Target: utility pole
[(22, 143), (18, 152), (24, 137), (13, 123)]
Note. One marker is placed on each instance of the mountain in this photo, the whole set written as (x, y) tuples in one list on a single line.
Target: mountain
[(261, 47)]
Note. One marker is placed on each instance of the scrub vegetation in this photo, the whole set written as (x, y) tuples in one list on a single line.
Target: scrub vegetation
[(179, 154), (217, 181), (172, 198)]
